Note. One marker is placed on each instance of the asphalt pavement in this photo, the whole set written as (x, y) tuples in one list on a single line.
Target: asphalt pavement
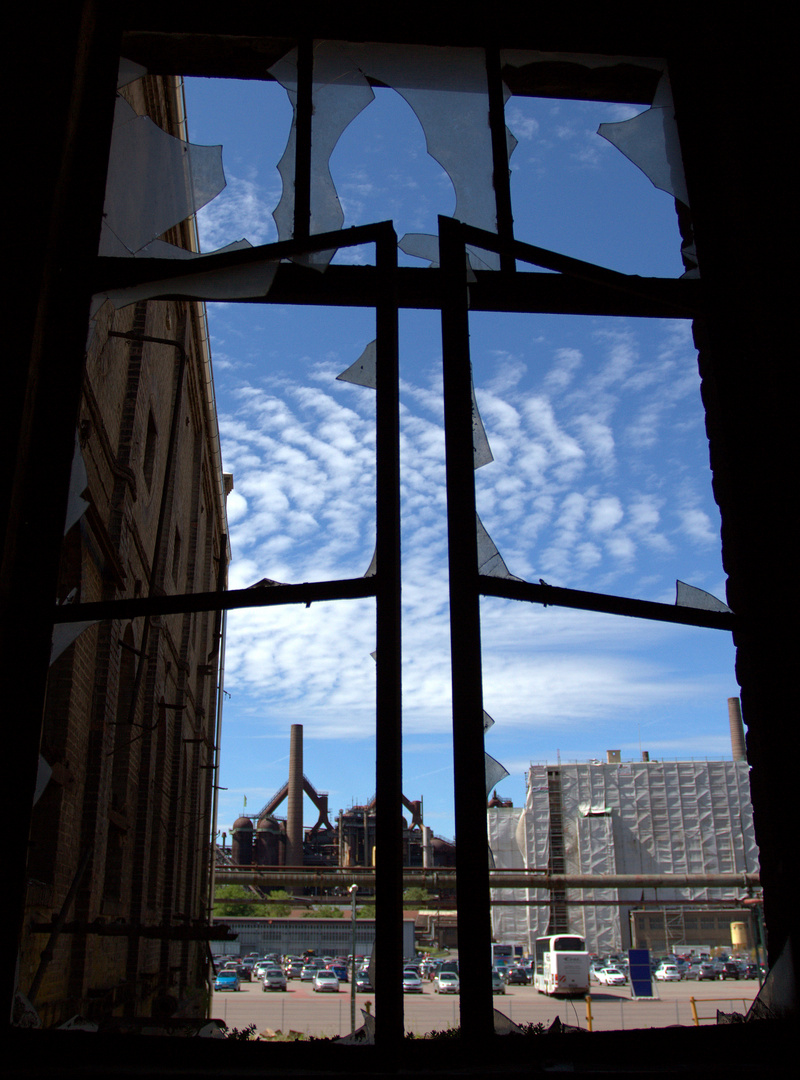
[(300, 1009)]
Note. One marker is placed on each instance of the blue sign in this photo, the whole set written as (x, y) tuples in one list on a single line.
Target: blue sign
[(640, 972)]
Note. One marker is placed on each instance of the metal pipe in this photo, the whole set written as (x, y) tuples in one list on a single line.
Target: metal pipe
[(217, 763), (329, 877), (353, 895)]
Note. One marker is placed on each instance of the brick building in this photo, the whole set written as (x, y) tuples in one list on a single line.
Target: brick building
[(120, 831)]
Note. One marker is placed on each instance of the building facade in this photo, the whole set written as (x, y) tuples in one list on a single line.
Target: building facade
[(637, 818), (118, 865), (294, 936)]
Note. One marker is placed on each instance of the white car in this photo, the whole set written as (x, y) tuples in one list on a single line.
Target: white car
[(273, 978), (668, 973), (326, 980), (611, 976), (446, 982), (412, 984)]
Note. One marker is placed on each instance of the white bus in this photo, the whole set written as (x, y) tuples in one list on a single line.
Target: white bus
[(561, 965)]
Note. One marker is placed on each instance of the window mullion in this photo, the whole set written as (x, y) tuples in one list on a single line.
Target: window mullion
[(472, 861), (388, 738)]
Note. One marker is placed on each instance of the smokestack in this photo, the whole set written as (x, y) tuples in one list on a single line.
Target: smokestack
[(294, 820), (737, 730), (427, 847)]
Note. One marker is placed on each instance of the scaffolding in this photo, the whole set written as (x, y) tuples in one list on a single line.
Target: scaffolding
[(632, 818)]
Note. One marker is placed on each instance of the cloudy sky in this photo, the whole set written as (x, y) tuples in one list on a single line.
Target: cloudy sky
[(599, 481)]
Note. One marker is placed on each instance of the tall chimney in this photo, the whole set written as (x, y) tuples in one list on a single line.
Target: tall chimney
[(737, 730), (294, 821)]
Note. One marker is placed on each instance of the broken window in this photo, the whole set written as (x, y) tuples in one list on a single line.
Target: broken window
[(315, 529)]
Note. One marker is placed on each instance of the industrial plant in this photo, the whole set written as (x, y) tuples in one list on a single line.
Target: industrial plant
[(266, 840)]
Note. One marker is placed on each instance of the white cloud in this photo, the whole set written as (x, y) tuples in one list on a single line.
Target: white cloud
[(599, 441), (524, 127), (605, 513), (242, 209), (566, 364), (621, 547), (697, 526)]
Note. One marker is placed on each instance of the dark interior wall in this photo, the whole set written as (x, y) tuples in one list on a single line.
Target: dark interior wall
[(733, 132), (732, 94)]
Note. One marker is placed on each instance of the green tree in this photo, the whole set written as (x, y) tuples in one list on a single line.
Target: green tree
[(232, 900), (228, 901), (283, 905), (417, 894), (366, 911), (323, 912)]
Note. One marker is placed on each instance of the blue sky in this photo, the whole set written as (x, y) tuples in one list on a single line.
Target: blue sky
[(600, 476)]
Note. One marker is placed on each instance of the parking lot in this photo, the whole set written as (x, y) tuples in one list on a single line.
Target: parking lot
[(300, 1009)]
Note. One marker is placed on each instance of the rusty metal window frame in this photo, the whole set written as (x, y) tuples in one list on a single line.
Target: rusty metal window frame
[(467, 586), (576, 287), (384, 585)]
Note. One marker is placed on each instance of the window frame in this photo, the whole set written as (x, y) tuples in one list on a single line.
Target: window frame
[(559, 294)]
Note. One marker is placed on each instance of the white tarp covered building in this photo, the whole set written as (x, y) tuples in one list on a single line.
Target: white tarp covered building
[(686, 817)]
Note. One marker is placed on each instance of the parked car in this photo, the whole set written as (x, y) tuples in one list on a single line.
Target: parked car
[(226, 980), (706, 972), (517, 976), (325, 981), (273, 979), (412, 984), (339, 970), (731, 970), (446, 982), (668, 973), (611, 976), (498, 986), (363, 985)]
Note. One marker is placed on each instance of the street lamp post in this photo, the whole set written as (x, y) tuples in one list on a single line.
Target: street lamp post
[(353, 890)]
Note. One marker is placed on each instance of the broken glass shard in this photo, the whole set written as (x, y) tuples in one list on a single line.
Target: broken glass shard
[(129, 71), (421, 246), (691, 596), (154, 181), (339, 94), (650, 141), (63, 636), (447, 90), (490, 561), (481, 450), (494, 772), (363, 371), (236, 282), (78, 483), (43, 774), (426, 246)]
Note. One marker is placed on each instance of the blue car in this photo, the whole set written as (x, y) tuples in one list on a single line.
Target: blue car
[(226, 980)]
